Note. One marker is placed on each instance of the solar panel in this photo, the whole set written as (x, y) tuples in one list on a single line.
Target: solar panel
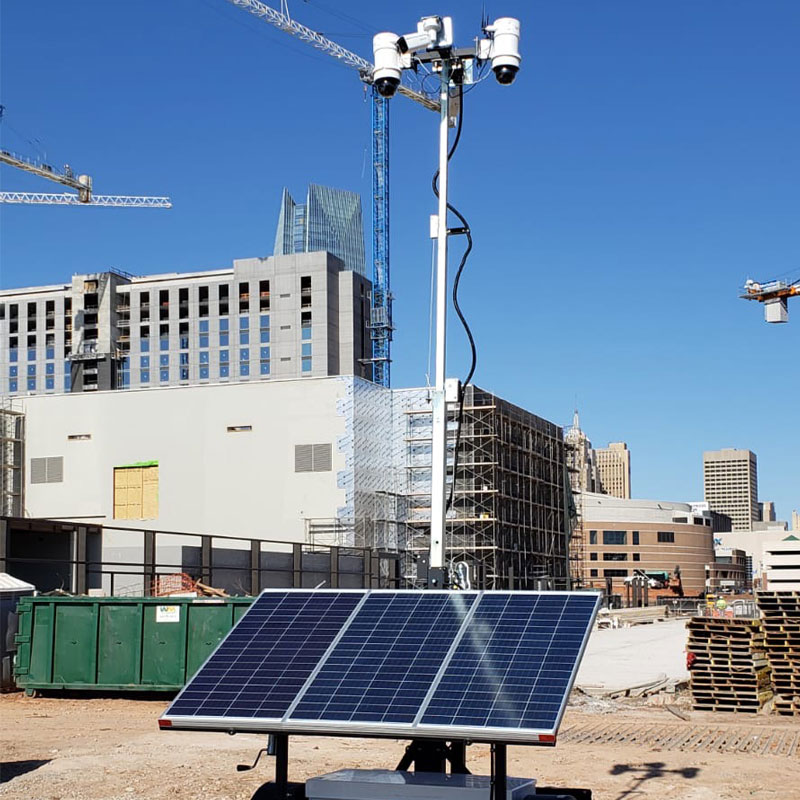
[(384, 663), (484, 666), (262, 664), (514, 664)]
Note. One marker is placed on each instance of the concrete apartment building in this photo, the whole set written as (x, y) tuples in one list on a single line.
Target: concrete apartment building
[(301, 315), (730, 485), (614, 470), (623, 535), (330, 460)]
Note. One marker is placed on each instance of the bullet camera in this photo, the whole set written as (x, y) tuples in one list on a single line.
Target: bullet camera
[(504, 49), (388, 63)]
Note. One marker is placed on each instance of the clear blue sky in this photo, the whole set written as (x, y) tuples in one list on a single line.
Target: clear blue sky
[(646, 162)]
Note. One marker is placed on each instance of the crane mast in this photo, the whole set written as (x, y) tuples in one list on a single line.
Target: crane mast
[(381, 312)]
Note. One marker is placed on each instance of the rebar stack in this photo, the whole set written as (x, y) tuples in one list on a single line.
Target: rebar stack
[(730, 671)]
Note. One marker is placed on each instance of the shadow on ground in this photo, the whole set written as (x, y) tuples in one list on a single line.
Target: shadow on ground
[(647, 772), (13, 769)]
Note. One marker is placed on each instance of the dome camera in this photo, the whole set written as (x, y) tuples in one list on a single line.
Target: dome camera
[(388, 64), (504, 50)]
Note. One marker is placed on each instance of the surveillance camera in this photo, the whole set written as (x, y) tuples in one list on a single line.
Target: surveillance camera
[(388, 64), (504, 50), (432, 33)]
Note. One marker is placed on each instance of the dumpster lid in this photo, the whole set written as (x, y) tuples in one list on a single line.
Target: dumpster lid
[(8, 583)]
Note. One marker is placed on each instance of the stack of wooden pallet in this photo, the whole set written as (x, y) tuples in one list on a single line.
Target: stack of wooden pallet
[(729, 671), (781, 616)]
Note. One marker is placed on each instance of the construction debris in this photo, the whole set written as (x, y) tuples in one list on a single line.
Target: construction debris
[(781, 614), (728, 663), (625, 617)]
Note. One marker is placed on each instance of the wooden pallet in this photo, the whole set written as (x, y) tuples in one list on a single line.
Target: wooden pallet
[(781, 615), (730, 671)]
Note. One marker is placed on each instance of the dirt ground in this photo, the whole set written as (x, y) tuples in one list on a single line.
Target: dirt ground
[(88, 748)]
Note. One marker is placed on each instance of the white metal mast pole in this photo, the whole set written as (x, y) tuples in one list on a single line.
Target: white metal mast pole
[(439, 448)]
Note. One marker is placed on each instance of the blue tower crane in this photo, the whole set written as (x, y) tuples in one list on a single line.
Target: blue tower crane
[(381, 312)]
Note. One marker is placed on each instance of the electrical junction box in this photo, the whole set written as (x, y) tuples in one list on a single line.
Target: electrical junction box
[(452, 388), (386, 784)]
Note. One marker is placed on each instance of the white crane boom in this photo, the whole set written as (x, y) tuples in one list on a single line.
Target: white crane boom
[(42, 170), (112, 200), (285, 23)]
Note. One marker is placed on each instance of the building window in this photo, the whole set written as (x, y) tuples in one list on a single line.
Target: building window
[(67, 380), (13, 354), (224, 339), (163, 375), (203, 340), (31, 370), (50, 353), (264, 367), (264, 335), (666, 537), (203, 373), (49, 369), (203, 326), (49, 383), (224, 371), (47, 470), (615, 573), (184, 373), (698, 520), (592, 537), (163, 360), (183, 359), (244, 323), (204, 357), (305, 325), (144, 376), (592, 556), (637, 557), (224, 324), (12, 386), (136, 491), (184, 343), (14, 371), (164, 343), (635, 537), (592, 573), (31, 384), (144, 361), (244, 368), (239, 428), (244, 337), (144, 346), (615, 537), (312, 458), (615, 556)]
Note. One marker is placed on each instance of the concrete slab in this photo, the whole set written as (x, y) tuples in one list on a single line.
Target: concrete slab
[(626, 656)]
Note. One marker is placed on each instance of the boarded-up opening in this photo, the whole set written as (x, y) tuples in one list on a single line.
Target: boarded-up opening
[(136, 491)]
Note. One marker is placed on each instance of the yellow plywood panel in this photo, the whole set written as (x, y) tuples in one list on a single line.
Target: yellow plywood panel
[(120, 478), (134, 477), (150, 475), (150, 501)]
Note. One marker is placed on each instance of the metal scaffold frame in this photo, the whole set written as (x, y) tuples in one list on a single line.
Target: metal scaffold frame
[(12, 459), (509, 517)]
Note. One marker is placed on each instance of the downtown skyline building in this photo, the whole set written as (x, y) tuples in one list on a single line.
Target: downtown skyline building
[(730, 485), (329, 220)]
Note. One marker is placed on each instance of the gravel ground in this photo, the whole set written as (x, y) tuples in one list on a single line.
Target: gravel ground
[(89, 748)]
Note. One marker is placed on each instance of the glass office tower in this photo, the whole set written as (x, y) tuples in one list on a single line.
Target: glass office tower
[(329, 220)]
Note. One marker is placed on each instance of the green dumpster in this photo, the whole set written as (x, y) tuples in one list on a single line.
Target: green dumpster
[(119, 643)]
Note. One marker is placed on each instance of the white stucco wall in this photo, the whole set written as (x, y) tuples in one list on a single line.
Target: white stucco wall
[(210, 480)]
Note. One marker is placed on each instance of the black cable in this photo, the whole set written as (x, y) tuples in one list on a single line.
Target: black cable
[(456, 284)]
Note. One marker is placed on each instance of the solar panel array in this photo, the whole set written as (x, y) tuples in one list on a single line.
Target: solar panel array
[(479, 665)]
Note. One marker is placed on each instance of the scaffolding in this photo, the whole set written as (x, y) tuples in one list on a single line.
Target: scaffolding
[(12, 460), (509, 517)]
